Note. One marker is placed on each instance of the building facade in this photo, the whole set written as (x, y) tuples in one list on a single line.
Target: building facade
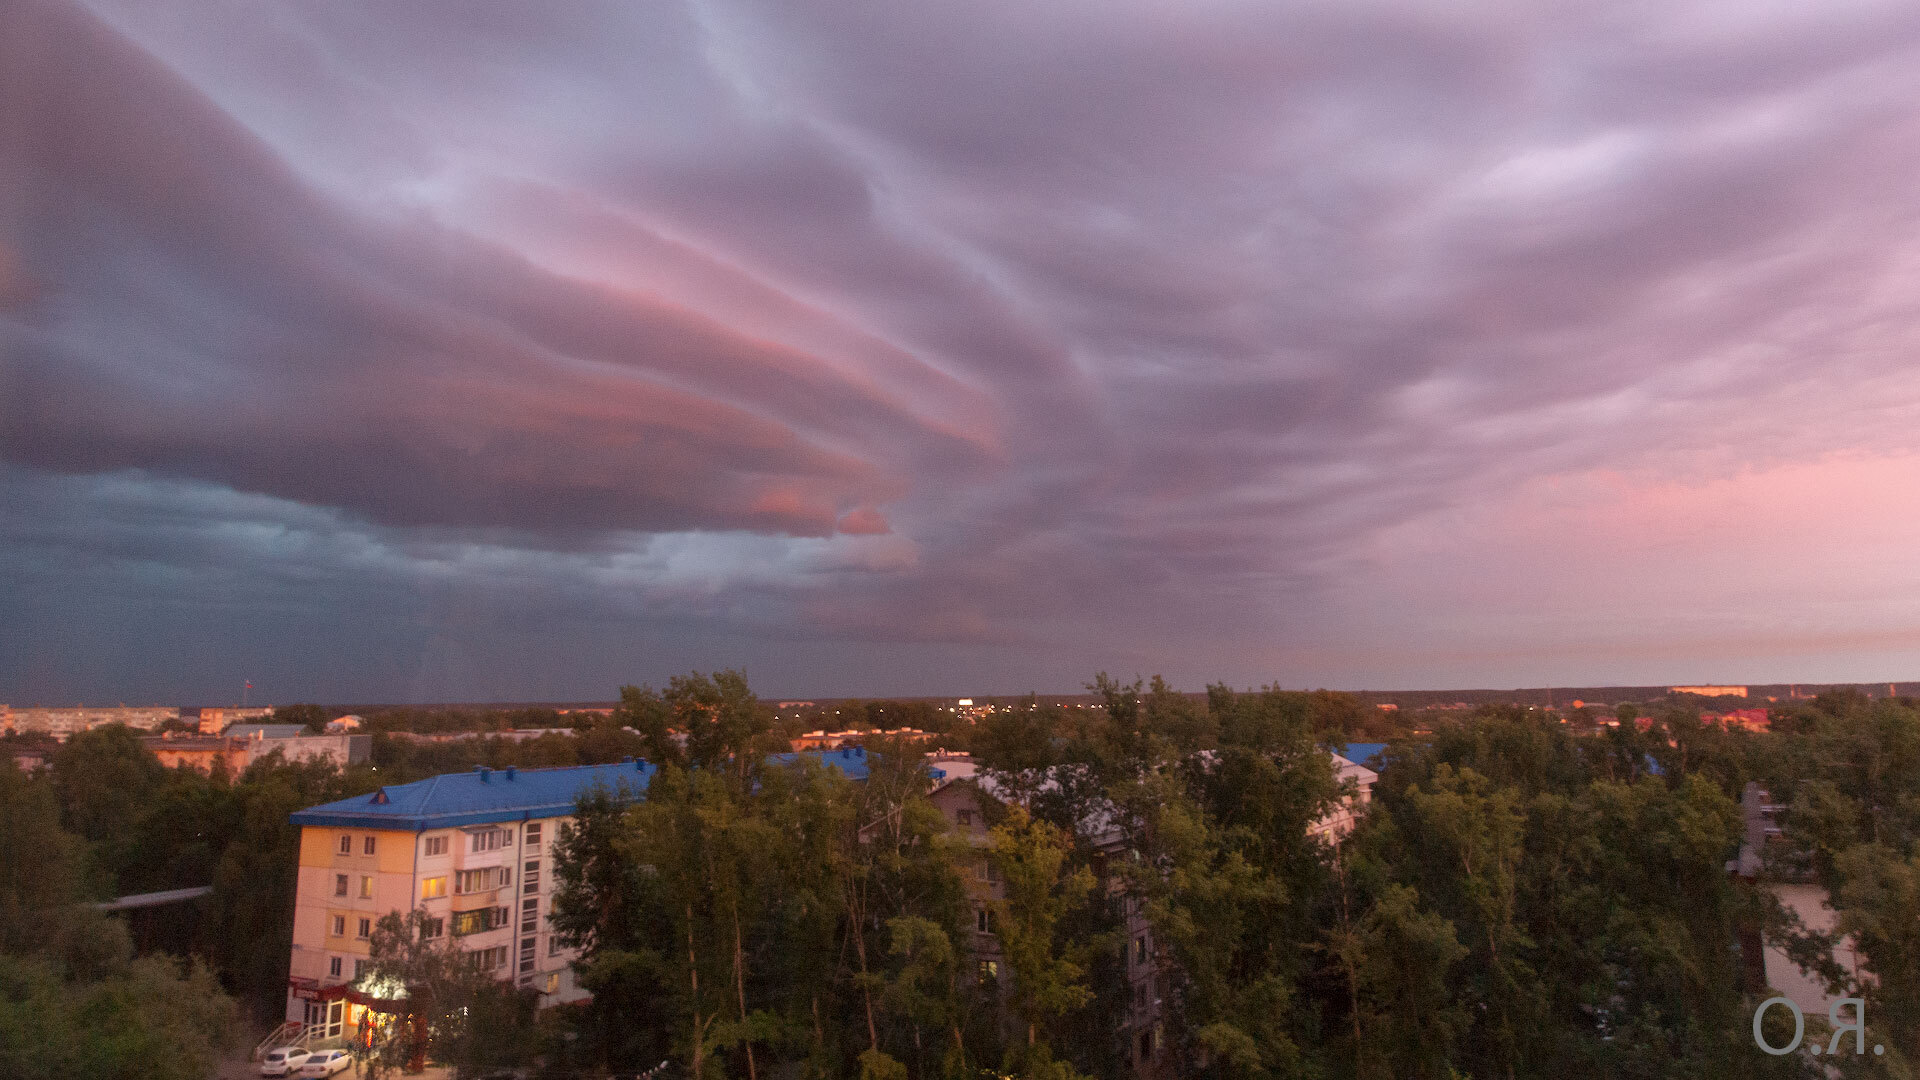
[(473, 852), (62, 722), (235, 753)]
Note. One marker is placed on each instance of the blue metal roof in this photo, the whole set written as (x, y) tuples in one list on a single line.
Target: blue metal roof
[(1369, 754), (489, 795)]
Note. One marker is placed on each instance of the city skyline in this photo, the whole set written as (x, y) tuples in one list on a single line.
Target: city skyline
[(485, 353)]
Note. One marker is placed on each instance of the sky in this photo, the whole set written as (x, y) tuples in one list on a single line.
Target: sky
[(499, 351)]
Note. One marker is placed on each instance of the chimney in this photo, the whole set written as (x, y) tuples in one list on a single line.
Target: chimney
[(484, 773), (512, 771)]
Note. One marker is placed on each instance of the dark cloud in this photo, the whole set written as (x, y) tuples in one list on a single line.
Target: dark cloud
[(1016, 339)]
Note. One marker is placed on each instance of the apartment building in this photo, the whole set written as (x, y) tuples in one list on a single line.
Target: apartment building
[(62, 722), (236, 752), (473, 851)]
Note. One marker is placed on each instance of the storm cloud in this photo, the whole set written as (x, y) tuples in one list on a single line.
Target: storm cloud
[(922, 348)]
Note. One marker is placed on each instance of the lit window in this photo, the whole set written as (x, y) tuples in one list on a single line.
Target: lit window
[(553, 983), (433, 888), (366, 887), (339, 884), (1139, 949), (368, 846), (989, 971), (346, 844)]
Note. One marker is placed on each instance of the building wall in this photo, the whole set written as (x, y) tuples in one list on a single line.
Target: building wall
[(397, 874), (63, 722)]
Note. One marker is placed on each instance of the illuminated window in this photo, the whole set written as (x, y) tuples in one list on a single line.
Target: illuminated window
[(366, 887), (472, 922), (346, 844), (433, 888), (553, 983), (989, 971), (368, 846)]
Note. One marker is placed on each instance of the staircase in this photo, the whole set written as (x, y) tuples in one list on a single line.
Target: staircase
[(291, 1033)]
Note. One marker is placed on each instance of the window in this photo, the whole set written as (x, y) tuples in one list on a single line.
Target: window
[(485, 959), (432, 928), (989, 971), (983, 920), (436, 845), (1139, 949), (966, 818), (553, 945), (989, 872), (533, 835), (359, 970), (502, 917), (433, 888), (366, 887), (368, 847), (339, 884), (339, 926), (346, 844), (1140, 996), (333, 966), (529, 916), (1146, 1046), (530, 878), (490, 839), (365, 929), (487, 877), (471, 922), (553, 983)]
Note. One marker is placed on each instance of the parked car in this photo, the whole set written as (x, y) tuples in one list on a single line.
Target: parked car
[(326, 1063), (285, 1061)]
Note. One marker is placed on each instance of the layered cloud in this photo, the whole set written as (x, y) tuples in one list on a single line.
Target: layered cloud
[(1001, 341)]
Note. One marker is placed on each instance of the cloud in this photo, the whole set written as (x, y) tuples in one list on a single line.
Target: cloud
[(1071, 336)]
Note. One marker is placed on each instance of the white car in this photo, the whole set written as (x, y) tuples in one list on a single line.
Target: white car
[(326, 1063), (285, 1061)]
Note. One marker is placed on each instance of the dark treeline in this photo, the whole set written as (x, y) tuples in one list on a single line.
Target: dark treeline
[(1525, 896)]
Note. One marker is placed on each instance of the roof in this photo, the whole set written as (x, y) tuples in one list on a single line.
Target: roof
[(489, 795), (1365, 753), (267, 731)]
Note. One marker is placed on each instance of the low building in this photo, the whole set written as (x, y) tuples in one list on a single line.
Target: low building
[(214, 719), (1743, 719), (1709, 691), (349, 722), (833, 740), (234, 753), (239, 730)]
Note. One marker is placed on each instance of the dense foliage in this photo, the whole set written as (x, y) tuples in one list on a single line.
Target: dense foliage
[(1526, 896)]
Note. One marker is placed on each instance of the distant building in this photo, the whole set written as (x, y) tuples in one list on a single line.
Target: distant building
[(236, 752), (214, 719), (830, 740), (349, 722), (1744, 719), (29, 761), (1709, 691), (62, 722)]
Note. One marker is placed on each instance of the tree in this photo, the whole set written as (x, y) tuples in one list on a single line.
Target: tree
[(1041, 890)]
